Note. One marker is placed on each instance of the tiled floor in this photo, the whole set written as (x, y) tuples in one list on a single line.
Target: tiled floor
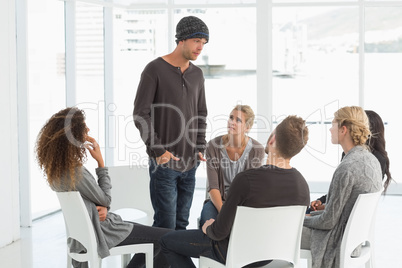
[(44, 246)]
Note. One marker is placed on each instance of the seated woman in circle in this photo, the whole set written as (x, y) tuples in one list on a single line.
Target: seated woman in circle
[(61, 152), (228, 155), (358, 173), (376, 144)]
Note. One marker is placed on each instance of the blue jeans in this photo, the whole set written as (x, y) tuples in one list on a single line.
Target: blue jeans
[(171, 195), (180, 246), (208, 211)]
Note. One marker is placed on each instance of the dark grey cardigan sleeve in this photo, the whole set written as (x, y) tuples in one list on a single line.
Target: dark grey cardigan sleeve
[(213, 163)]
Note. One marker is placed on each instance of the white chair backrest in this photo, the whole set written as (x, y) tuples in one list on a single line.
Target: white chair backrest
[(78, 224), (130, 189), (265, 234), (360, 226)]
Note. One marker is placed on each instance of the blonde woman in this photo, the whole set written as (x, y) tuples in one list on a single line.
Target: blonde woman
[(228, 155), (376, 143), (358, 173)]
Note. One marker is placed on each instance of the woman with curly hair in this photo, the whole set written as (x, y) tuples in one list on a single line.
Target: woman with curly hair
[(358, 173), (61, 152)]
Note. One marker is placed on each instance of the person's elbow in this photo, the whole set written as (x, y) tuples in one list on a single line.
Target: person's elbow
[(315, 222), (216, 236)]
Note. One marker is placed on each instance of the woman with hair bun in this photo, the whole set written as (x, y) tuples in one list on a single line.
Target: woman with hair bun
[(376, 144), (358, 173)]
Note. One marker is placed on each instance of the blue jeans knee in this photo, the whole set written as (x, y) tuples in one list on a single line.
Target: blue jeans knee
[(208, 211)]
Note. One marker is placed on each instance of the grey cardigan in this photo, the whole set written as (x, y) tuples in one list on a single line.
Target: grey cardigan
[(110, 232), (359, 172)]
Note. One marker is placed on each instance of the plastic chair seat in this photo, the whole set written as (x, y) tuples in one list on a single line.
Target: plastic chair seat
[(260, 234), (359, 231), (80, 228)]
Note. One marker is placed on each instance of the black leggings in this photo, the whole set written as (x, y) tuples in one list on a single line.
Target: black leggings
[(142, 234)]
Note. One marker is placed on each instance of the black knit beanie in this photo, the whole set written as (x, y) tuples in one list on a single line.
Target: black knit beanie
[(191, 27)]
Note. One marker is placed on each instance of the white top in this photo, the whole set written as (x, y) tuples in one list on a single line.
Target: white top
[(232, 168)]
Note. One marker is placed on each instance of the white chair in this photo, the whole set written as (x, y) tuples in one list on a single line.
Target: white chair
[(80, 228), (130, 193), (263, 234), (359, 231)]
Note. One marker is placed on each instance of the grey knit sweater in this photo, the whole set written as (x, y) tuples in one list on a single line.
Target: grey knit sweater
[(359, 172)]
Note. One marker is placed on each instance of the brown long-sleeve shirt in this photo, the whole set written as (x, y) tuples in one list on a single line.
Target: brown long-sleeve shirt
[(170, 112)]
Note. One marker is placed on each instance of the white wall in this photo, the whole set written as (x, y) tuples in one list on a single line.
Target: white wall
[(9, 179)]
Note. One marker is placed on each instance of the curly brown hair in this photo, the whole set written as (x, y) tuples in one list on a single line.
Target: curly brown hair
[(59, 146)]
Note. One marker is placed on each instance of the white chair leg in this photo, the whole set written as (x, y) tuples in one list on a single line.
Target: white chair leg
[(370, 263), (149, 260), (306, 254), (125, 259), (309, 263), (69, 261), (96, 263)]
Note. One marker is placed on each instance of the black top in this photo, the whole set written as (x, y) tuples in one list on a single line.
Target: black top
[(266, 186)]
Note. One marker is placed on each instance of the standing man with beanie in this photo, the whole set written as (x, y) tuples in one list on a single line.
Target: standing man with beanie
[(170, 112)]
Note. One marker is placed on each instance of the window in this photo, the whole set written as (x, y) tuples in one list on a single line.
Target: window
[(90, 72), (315, 72), (46, 65), (130, 58), (383, 55), (317, 67)]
